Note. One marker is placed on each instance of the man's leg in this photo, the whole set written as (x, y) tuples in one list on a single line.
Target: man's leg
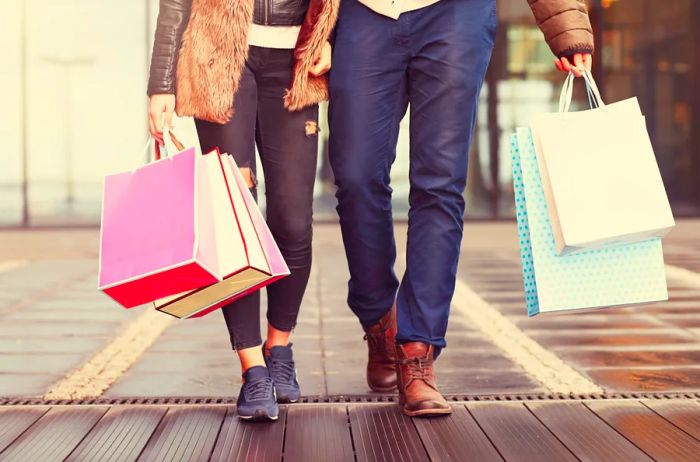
[(367, 101), (452, 42)]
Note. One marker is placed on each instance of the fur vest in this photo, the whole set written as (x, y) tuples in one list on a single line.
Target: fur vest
[(214, 50)]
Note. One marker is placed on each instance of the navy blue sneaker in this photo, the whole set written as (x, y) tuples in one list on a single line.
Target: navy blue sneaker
[(256, 401), (280, 362)]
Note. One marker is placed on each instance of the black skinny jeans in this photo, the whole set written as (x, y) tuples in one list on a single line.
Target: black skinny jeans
[(288, 156)]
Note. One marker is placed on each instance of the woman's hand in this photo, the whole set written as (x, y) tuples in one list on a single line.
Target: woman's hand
[(323, 63), (160, 107), (581, 61)]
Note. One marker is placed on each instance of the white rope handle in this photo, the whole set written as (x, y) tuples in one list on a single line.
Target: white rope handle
[(158, 151), (567, 91), (162, 151), (591, 85)]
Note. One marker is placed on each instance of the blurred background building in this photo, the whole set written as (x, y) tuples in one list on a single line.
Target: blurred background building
[(74, 74)]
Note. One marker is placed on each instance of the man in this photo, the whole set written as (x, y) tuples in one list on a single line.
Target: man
[(432, 54)]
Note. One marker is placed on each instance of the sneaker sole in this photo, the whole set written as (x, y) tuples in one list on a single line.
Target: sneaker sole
[(259, 416), (285, 400)]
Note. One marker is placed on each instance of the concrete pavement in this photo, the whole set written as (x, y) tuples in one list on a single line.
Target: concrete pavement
[(54, 322)]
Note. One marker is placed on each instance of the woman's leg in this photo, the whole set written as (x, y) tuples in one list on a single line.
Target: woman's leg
[(237, 138), (288, 144)]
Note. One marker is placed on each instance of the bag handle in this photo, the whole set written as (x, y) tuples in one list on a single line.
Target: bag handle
[(594, 98), (592, 88), (158, 149), (178, 145)]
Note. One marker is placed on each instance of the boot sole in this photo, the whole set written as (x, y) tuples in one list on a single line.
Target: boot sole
[(427, 412), (383, 390)]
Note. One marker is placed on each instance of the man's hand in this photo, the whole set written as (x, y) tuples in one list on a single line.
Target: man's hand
[(580, 62), (323, 63), (158, 105)]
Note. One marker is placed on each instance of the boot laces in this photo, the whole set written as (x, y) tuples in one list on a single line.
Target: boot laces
[(417, 368)]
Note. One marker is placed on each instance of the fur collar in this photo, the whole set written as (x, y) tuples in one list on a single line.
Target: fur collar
[(215, 47)]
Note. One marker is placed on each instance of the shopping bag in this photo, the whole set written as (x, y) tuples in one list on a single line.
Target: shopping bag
[(602, 182), (248, 253), (624, 274), (157, 234)]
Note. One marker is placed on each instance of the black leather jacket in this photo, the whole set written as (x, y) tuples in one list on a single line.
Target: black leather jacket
[(280, 12), (172, 21)]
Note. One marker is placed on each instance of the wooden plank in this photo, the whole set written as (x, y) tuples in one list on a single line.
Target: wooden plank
[(650, 432), (383, 433), (120, 435), (15, 420), (185, 433), (684, 414), (456, 437), (249, 441), (517, 434), (584, 433), (55, 434), (318, 432)]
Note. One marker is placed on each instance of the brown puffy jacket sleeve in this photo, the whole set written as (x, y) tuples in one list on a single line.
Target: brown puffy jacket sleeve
[(173, 17), (565, 24)]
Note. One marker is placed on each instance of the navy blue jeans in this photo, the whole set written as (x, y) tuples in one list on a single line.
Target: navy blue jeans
[(434, 59)]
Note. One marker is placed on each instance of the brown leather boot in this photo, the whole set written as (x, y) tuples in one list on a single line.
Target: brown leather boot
[(381, 364), (418, 393)]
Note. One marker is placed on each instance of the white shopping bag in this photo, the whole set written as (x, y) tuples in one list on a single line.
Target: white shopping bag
[(613, 276), (602, 183)]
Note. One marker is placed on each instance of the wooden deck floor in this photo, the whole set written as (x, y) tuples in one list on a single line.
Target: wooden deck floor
[(600, 430)]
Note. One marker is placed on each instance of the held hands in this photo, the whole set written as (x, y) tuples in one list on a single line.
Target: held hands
[(160, 107), (580, 62), (323, 63)]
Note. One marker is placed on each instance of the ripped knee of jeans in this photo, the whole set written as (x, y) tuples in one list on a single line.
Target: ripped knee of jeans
[(248, 176), (311, 128)]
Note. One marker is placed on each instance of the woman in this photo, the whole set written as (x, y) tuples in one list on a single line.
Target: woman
[(251, 72)]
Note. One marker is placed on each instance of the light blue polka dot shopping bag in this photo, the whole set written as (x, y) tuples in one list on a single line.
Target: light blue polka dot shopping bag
[(627, 274)]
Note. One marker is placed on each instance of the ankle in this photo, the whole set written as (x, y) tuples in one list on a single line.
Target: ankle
[(250, 357), (276, 342), (276, 337)]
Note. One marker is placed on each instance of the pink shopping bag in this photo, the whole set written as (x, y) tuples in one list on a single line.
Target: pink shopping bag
[(247, 252), (157, 234)]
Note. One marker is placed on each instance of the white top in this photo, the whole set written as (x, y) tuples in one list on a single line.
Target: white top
[(394, 8), (284, 37)]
